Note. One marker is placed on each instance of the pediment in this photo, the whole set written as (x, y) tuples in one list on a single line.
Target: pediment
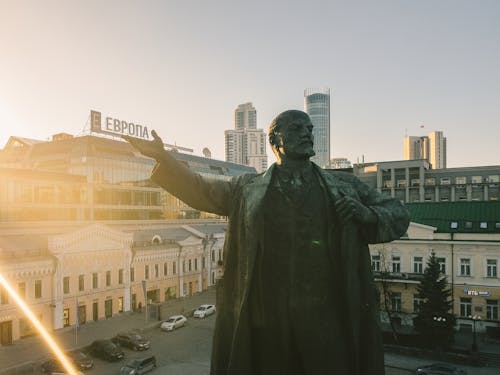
[(90, 238), (420, 231), (190, 241)]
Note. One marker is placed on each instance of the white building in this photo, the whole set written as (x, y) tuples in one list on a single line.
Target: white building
[(246, 144), (431, 148)]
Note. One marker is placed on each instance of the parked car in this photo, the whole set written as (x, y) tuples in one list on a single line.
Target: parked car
[(173, 322), (132, 340), (80, 359), (204, 311), (106, 350), (139, 366), (54, 367), (440, 369)]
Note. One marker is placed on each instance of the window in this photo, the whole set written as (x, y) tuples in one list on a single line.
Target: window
[(165, 268), (492, 309), (418, 264), (146, 271), (157, 270), (396, 301), (132, 274), (183, 266), (401, 183), (213, 256), (465, 267), (81, 283), (465, 307), (460, 180), (38, 288), (468, 225), (477, 179), (491, 267), (483, 225), (453, 225), (203, 261), (376, 263), (95, 284), (4, 297), (174, 268), (196, 264), (445, 181), (396, 264), (66, 284), (189, 265), (108, 278), (430, 181), (120, 276), (494, 178), (417, 303), (21, 289), (442, 265)]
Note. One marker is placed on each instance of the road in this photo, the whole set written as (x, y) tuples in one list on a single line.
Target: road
[(186, 351)]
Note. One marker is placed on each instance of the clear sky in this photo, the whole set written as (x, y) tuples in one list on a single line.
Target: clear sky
[(182, 67)]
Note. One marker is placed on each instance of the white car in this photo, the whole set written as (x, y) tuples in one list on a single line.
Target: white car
[(204, 310), (173, 322)]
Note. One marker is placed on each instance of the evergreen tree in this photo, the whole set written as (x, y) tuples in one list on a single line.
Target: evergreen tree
[(435, 321)]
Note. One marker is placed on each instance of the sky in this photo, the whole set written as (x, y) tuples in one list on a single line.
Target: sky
[(182, 67)]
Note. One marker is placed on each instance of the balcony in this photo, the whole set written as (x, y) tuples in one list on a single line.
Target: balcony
[(399, 276)]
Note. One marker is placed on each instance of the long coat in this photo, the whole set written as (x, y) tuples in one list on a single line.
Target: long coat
[(241, 200)]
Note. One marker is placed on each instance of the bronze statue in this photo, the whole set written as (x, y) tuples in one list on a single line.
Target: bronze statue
[(297, 296)]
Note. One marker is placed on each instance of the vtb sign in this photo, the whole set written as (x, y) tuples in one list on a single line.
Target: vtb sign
[(115, 126)]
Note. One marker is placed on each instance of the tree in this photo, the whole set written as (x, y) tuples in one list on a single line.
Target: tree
[(435, 321)]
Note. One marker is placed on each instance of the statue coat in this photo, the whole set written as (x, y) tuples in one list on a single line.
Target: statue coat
[(240, 199)]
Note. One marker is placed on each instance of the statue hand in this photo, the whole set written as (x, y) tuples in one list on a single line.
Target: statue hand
[(349, 208), (153, 149)]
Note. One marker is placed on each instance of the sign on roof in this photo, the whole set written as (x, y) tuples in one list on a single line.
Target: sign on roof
[(114, 126)]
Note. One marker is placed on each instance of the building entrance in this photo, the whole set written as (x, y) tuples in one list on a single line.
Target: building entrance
[(6, 333), (108, 308)]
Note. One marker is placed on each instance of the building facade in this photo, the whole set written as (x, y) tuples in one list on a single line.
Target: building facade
[(431, 147), (465, 238), (245, 144), (91, 178), (95, 271), (317, 106), (414, 181)]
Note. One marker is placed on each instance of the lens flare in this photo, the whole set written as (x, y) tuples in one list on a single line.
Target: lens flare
[(34, 320)]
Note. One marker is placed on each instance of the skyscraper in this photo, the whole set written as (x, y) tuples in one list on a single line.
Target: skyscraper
[(317, 106), (431, 147), (246, 144)]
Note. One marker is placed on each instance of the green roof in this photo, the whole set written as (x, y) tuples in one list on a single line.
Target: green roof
[(458, 217)]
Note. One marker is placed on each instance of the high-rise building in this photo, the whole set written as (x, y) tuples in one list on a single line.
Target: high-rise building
[(317, 106), (246, 144), (431, 148)]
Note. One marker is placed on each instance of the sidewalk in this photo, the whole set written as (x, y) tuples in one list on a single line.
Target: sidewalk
[(25, 355)]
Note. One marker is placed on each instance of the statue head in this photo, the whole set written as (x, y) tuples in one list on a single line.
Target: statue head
[(290, 135)]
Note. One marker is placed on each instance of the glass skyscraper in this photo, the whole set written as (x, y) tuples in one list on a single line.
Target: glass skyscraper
[(317, 106)]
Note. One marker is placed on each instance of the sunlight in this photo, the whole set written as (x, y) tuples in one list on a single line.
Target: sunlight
[(46, 336)]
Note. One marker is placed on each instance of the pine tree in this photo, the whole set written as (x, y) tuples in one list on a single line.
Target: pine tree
[(435, 321)]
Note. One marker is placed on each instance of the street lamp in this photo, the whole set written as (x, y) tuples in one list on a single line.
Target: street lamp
[(474, 318), (439, 324)]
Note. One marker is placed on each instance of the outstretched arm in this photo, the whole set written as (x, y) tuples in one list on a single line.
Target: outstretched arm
[(201, 193)]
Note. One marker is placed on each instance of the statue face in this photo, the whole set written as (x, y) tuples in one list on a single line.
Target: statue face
[(295, 139)]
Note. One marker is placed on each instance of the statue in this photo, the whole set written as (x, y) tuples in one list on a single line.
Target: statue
[(297, 295)]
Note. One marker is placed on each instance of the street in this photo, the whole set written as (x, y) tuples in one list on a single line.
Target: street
[(186, 351)]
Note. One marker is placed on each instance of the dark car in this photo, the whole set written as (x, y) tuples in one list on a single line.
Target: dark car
[(131, 340), (106, 349), (54, 367), (80, 359), (139, 366), (440, 369)]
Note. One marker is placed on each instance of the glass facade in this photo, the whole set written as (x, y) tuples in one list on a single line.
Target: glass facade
[(317, 106)]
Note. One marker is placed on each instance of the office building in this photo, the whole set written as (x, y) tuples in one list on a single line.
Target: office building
[(317, 106), (414, 181), (431, 148), (245, 144), (91, 178)]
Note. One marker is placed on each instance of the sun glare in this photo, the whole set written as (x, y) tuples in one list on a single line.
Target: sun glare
[(46, 336)]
